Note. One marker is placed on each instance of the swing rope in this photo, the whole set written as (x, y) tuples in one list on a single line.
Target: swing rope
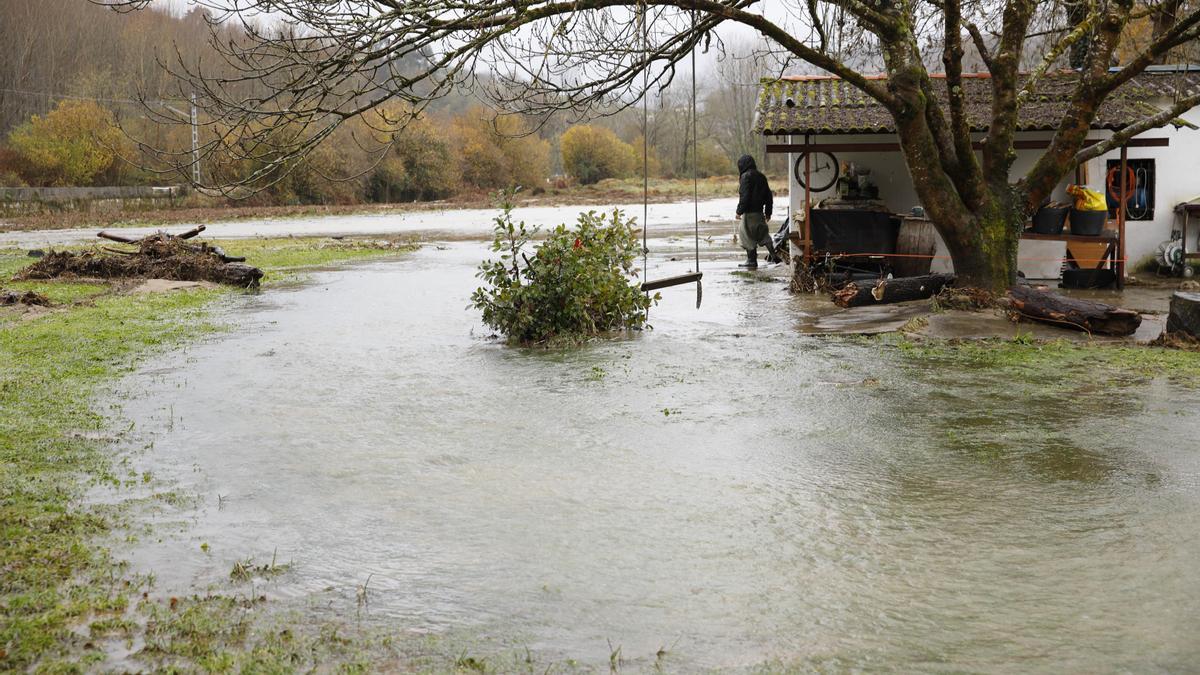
[(645, 142), (696, 275)]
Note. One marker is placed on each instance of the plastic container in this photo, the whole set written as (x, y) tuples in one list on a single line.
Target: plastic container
[(1049, 220), (1088, 223)]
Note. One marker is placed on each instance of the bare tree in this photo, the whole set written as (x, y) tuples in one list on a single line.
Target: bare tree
[(283, 87), (733, 98)]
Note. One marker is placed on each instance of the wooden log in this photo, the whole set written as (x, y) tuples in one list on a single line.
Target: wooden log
[(1185, 314), (240, 274), (192, 232), (891, 290), (116, 237), (1059, 310), (225, 257)]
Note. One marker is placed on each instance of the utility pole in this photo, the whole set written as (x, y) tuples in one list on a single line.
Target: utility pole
[(194, 117), (195, 143)]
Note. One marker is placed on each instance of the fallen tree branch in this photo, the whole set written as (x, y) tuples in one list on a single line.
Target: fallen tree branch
[(1086, 315), (887, 291)]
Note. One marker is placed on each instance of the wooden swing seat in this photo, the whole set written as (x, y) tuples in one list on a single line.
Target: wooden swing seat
[(677, 280)]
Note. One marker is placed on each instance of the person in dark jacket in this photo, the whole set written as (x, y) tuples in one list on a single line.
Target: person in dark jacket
[(754, 210)]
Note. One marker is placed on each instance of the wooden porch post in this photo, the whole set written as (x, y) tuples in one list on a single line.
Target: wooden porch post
[(1121, 220), (807, 202)]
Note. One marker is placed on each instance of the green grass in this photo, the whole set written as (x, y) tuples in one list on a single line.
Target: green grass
[(1027, 357), (286, 254), (53, 575), (59, 588)]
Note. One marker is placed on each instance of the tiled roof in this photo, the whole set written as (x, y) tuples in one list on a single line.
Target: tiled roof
[(827, 105)]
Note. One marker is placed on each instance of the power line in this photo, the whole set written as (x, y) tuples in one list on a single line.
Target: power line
[(56, 95)]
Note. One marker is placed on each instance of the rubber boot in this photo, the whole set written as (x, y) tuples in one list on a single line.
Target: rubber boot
[(751, 260)]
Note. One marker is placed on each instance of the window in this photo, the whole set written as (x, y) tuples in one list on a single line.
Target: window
[(1139, 174)]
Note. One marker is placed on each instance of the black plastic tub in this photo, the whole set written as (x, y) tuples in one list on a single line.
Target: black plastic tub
[(854, 232), (1049, 220), (1088, 223), (1093, 278)]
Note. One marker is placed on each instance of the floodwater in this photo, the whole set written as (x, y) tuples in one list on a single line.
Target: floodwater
[(427, 222), (721, 487)]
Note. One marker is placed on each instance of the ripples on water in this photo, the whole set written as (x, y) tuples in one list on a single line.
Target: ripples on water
[(720, 485)]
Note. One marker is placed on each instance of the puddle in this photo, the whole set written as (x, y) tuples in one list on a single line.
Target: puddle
[(722, 485)]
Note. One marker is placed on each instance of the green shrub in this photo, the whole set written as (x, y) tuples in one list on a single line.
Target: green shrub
[(576, 285)]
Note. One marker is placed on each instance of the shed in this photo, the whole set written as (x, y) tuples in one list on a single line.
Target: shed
[(823, 114)]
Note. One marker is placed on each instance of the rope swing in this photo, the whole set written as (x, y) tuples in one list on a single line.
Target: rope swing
[(696, 275)]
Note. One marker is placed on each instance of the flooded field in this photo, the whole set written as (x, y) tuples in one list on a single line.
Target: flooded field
[(722, 488), (450, 222)]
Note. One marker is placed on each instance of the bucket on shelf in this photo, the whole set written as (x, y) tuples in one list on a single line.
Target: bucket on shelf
[(1050, 219), (1088, 223)]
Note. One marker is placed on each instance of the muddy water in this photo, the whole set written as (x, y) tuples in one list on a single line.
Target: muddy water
[(426, 222), (720, 486)]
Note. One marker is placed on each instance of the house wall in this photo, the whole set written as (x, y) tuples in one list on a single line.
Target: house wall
[(1178, 179)]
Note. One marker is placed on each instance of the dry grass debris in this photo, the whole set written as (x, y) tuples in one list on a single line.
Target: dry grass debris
[(156, 257)]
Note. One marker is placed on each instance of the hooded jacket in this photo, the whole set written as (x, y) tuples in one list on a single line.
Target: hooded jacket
[(754, 195)]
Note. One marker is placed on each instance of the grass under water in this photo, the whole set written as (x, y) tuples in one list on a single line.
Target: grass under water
[(61, 592)]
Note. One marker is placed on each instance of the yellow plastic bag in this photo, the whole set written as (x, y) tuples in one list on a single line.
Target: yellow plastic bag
[(1087, 200)]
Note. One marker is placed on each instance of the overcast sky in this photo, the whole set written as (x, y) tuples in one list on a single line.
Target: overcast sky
[(705, 62)]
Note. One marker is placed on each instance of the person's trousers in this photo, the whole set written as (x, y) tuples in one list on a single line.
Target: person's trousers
[(753, 231)]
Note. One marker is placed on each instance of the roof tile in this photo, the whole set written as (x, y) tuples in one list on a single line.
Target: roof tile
[(828, 105)]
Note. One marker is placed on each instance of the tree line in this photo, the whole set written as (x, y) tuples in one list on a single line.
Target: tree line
[(86, 98)]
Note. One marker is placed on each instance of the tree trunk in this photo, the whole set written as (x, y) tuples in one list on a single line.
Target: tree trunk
[(984, 250), (888, 291), (1064, 312), (1185, 314), (979, 220)]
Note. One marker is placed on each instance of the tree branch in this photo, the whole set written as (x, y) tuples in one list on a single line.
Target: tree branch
[(1121, 137), (985, 54), (1059, 48)]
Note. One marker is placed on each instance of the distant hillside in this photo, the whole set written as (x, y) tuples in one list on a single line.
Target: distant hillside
[(50, 49)]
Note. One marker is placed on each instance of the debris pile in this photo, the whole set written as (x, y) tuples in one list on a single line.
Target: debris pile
[(810, 279), (1176, 340), (967, 299), (158, 256), (29, 298)]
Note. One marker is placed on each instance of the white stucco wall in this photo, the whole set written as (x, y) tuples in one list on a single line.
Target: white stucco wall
[(1178, 179)]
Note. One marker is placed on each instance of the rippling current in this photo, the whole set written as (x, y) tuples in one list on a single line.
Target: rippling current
[(721, 486)]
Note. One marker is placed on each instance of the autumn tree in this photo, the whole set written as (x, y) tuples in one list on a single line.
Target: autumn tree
[(71, 145), (326, 62), (592, 153), (499, 151)]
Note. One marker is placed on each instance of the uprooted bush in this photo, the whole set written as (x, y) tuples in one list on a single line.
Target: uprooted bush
[(157, 257), (577, 284)]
